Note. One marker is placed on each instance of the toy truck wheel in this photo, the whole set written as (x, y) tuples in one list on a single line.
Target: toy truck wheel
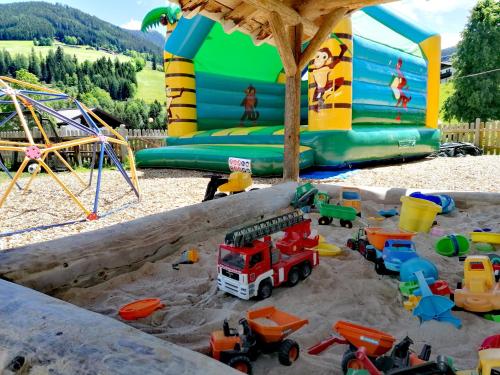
[(362, 247), (380, 267), (323, 220), (293, 276), (349, 361), (348, 224), (241, 363), (350, 244), (370, 254), (288, 352), (305, 270), (265, 289), (220, 195)]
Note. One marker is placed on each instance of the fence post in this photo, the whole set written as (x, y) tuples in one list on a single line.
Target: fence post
[(477, 135), (123, 149)]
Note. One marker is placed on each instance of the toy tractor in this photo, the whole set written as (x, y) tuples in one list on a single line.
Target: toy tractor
[(360, 243), (239, 350), (219, 187)]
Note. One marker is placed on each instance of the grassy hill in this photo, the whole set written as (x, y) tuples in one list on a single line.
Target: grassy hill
[(150, 82), (36, 19), (82, 53)]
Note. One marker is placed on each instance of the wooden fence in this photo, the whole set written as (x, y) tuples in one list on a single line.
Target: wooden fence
[(485, 135), (82, 155)]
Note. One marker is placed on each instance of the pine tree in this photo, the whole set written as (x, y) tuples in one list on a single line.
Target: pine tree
[(476, 82)]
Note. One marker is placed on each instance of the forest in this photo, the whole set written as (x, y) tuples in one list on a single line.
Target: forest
[(39, 20), (110, 85)]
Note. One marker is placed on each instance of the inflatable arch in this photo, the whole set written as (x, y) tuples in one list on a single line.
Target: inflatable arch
[(362, 100)]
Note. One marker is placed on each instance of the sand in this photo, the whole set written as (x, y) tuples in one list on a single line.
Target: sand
[(166, 189), (341, 288)]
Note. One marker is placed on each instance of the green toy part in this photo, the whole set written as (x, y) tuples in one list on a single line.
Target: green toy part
[(408, 288), (484, 247), (452, 245)]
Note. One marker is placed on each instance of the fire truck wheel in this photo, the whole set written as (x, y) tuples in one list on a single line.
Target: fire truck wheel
[(288, 352), (293, 276), (220, 195), (265, 289), (241, 363), (305, 270)]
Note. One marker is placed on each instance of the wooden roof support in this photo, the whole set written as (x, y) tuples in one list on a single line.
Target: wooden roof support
[(329, 22), (291, 155), (289, 16), (283, 44)]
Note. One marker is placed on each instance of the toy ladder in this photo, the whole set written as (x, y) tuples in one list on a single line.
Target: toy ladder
[(246, 235)]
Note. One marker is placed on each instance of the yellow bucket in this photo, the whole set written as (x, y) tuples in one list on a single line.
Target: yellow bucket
[(417, 215)]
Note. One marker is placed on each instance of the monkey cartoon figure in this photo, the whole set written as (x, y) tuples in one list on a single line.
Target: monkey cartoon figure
[(399, 83), (321, 70), (249, 102), (170, 99)]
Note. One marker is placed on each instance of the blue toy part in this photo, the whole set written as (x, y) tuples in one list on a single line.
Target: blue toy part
[(410, 267), (445, 201), (397, 252), (433, 307), (388, 213)]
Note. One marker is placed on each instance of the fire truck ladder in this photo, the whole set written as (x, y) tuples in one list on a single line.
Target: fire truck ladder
[(245, 236)]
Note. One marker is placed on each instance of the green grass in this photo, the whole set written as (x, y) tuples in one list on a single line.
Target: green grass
[(150, 85), (82, 53)]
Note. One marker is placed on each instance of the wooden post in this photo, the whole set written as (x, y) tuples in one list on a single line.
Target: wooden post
[(123, 149), (292, 112), (477, 135)]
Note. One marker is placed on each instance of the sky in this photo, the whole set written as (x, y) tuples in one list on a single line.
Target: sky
[(446, 17)]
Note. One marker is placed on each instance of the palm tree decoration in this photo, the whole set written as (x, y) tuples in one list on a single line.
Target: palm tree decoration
[(162, 15)]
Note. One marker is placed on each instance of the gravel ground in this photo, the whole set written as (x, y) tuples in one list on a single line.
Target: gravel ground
[(164, 189)]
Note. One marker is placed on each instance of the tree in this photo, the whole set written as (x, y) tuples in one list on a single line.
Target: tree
[(34, 64), (154, 67), (139, 62), (24, 75), (476, 81)]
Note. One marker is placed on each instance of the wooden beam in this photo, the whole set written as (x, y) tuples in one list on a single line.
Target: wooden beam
[(292, 112), (289, 15), (313, 8), (329, 22), (283, 44)]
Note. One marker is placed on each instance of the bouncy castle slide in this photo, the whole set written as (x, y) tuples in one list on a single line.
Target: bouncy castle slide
[(370, 94)]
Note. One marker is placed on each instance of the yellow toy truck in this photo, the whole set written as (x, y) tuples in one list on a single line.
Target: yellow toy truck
[(479, 292)]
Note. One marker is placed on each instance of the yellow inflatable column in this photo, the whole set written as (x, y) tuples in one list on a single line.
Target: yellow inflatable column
[(431, 47), (180, 89), (330, 81)]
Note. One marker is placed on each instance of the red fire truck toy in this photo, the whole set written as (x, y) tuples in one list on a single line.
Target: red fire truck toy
[(249, 265)]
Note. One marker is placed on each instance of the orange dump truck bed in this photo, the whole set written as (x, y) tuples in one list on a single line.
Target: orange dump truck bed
[(273, 325), (375, 342), (378, 236)]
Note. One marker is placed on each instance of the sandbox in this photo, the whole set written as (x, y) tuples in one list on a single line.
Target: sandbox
[(133, 261)]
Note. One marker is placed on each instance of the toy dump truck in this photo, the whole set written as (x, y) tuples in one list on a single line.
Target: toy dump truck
[(264, 330), (351, 197), (249, 265), (220, 187), (479, 292)]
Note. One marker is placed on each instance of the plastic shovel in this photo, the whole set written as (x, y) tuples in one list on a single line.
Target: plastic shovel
[(433, 307)]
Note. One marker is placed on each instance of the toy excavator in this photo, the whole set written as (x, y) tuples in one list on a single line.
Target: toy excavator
[(237, 182)]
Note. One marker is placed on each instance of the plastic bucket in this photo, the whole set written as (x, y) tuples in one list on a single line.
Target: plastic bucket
[(417, 215)]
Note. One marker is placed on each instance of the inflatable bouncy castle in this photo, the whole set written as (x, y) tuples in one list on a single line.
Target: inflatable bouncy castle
[(369, 94)]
